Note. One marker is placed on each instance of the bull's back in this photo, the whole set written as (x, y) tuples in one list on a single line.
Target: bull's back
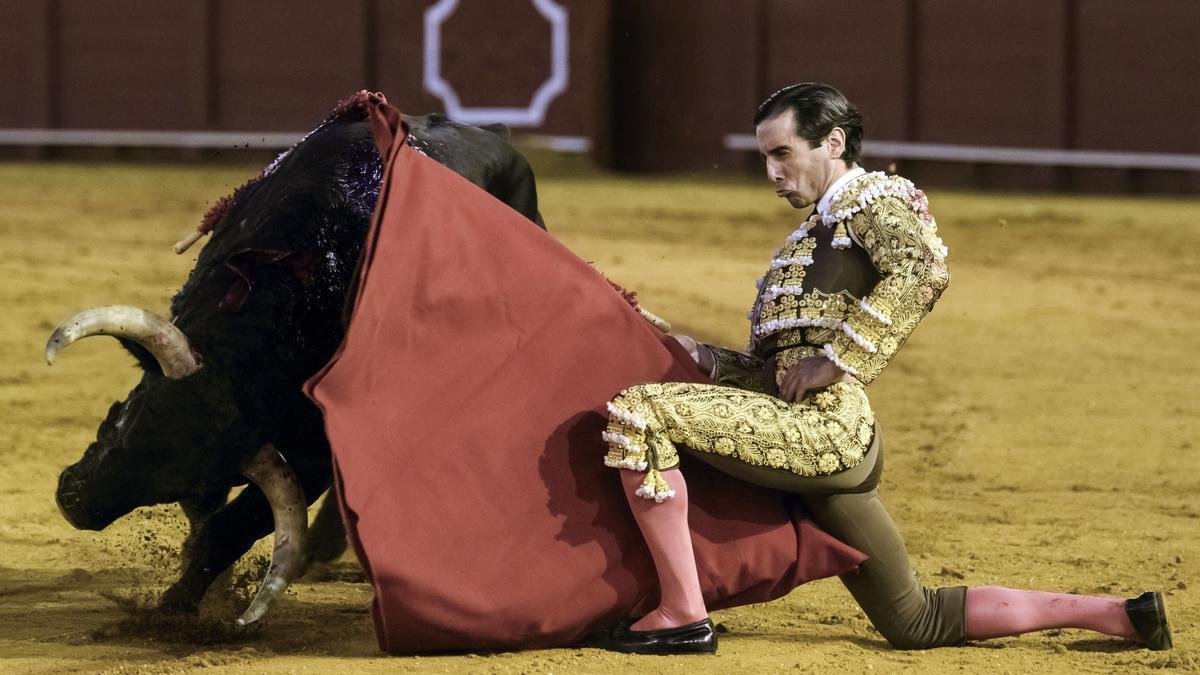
[(482, 155)]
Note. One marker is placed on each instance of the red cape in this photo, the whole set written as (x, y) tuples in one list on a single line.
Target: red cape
[(465, 407)]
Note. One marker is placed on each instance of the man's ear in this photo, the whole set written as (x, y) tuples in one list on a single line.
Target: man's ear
[(836, 140)]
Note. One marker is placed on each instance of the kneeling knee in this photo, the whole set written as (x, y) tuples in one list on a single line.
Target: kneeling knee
[(909, 640), (936, 621)]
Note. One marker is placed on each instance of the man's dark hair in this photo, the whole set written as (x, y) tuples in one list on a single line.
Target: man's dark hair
[(817, 108)]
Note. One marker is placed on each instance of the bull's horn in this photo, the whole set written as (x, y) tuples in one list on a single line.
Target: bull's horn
[(162, 338), (271, 473)]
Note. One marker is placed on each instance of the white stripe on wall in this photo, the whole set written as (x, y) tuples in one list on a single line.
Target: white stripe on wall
[(272, 140), (557, 143), (268, 140), (998, 155)]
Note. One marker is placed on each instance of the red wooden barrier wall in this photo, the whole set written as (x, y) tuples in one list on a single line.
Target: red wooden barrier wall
[(654, 86)]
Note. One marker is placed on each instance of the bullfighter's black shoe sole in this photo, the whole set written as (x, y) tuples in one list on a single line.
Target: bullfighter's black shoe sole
[(694, 638), (1148, 614)]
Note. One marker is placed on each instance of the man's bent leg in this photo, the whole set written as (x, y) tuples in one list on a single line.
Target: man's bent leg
[(861, 478), (908, 615), (664, 526)]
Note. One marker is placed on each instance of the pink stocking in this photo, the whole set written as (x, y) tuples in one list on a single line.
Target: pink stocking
[(665, 528), (993, 611)]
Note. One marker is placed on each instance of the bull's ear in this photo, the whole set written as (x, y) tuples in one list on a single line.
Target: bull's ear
[(499, 129), (145, 359)]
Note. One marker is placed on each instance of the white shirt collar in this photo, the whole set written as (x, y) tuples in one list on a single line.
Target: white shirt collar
[(827, 198)]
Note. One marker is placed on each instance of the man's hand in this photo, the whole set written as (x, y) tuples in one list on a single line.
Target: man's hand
[(813, 372), (700, 353)]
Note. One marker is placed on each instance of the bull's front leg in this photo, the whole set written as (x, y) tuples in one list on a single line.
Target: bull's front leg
[(326, 538), (226, 536), (198, 509), (215, 544)]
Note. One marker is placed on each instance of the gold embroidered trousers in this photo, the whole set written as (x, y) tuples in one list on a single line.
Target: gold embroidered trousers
[(827, 432)]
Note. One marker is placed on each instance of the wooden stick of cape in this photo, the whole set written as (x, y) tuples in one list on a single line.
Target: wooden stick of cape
[(465, 408)]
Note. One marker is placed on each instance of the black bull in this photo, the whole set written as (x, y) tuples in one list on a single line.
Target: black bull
[(258, 315)]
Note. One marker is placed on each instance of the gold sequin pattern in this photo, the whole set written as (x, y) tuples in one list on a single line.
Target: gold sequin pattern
[(786, 276), (901, 237), (814, 305), (826, 432)]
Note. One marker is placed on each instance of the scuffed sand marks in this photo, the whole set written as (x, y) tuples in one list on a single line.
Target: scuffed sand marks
[(1041, 424)]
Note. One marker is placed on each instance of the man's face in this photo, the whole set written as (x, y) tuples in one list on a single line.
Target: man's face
[(800, 172)]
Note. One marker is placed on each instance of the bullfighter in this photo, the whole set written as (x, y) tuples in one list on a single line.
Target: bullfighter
[(790, 413)]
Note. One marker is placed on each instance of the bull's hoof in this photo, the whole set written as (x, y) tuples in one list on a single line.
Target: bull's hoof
[(178, 601), (340, 572)]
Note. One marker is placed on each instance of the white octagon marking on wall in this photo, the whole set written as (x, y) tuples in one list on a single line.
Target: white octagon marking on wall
[(531, 116)]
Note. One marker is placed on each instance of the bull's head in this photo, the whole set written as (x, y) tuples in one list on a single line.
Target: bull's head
[(198, 408)]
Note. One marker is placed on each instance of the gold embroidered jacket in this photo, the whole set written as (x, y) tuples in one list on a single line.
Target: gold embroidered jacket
[(850, 284)]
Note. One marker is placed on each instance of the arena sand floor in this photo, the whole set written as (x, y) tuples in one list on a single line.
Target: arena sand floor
[(1043, 425)]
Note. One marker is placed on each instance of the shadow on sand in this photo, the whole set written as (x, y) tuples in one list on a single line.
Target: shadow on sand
[(117, 608)]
